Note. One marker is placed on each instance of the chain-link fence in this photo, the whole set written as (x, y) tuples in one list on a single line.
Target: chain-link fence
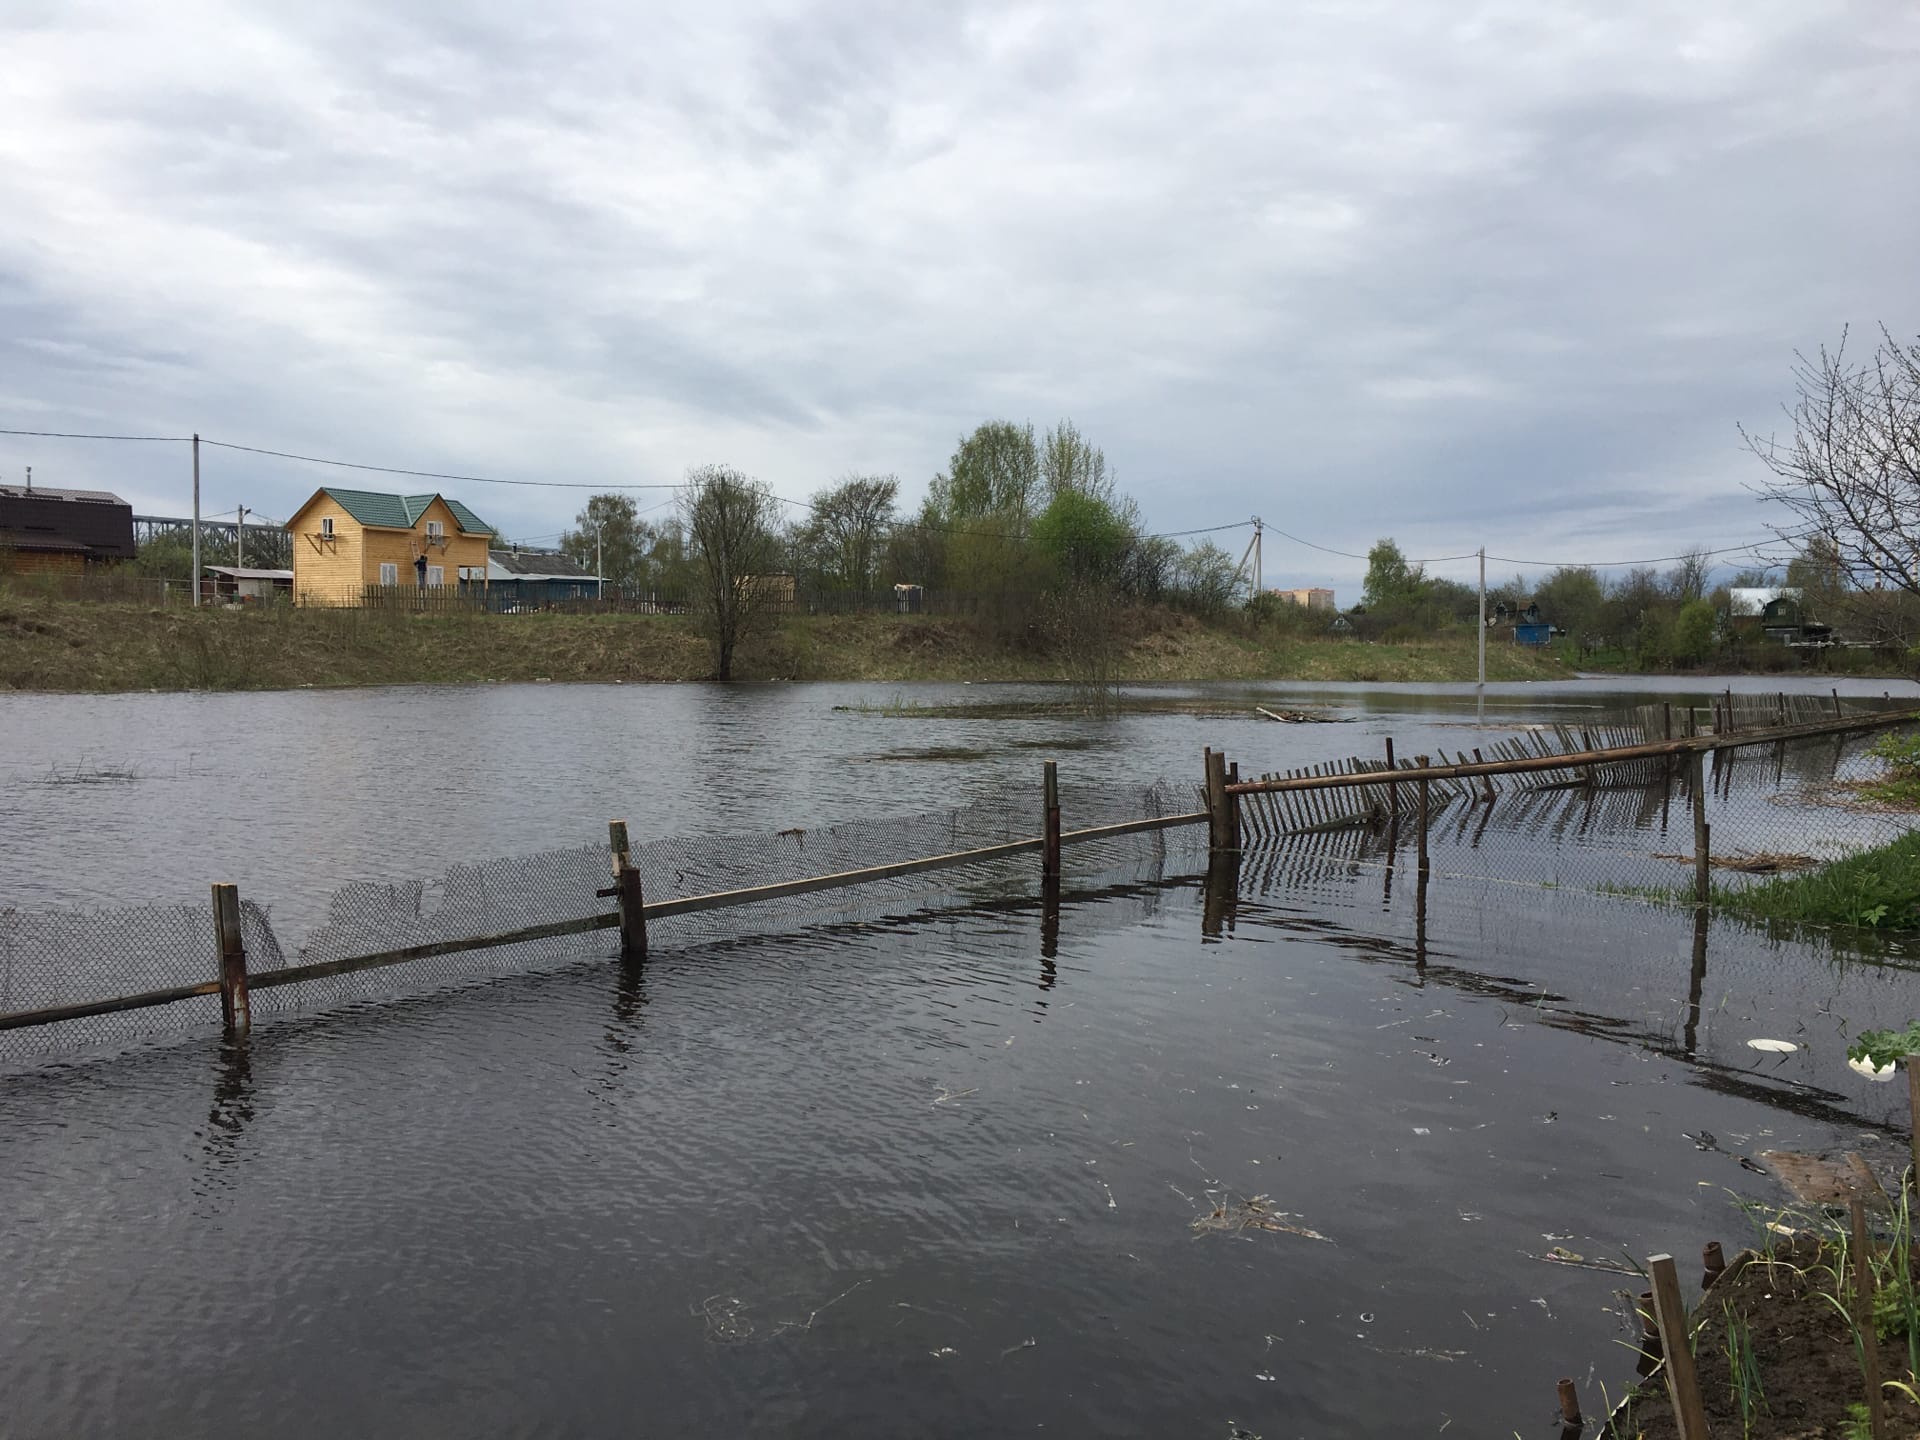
[(1630, 826), (1617, 809), (59, 960)]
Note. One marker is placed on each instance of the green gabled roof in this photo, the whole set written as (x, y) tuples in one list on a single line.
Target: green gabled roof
[(402, 512)]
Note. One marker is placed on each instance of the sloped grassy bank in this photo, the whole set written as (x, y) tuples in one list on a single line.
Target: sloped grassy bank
[(67, 646)]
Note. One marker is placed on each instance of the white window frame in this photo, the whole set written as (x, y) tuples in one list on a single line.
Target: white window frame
[(436, 576), (389, 573), (326, 527), (436, 530)]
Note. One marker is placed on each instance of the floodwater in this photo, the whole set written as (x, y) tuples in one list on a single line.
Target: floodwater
[(935, 1176)]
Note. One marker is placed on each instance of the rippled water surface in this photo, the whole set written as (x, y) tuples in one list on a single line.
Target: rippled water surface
[(933, 1174)]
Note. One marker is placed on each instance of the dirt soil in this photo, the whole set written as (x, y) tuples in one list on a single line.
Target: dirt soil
[(1803, 1346)]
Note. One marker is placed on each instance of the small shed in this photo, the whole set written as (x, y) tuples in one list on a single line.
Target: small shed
[(1533, 633), (245, 585), (909, 599), (533, 579)]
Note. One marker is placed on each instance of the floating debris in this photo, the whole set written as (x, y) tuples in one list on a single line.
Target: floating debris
[(1759, 862), (1302, 717), (1875, 1072), (1254, 1213), (1773, 1047)]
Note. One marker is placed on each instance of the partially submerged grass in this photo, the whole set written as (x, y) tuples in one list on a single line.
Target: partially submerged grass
[(1877, 887)]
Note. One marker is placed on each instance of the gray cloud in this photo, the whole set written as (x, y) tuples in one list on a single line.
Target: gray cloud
[(1507, 274)]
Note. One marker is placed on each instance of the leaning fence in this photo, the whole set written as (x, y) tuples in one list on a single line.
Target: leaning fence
[(1661, 802)]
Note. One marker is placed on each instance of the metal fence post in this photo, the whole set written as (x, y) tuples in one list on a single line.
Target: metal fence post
[(1050, 854), (626, 889), (1697, 777), (236, 1005)]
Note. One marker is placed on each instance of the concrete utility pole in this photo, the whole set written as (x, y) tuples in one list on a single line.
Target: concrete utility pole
[(1480, 703), (240, 540), (194, 580), (599, 568)]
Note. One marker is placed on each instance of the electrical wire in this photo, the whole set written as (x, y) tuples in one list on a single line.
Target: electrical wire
[(79, 435), (904, 524)]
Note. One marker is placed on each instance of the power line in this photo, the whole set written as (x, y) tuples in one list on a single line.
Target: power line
[(812, 505), (433, 474), (81, 435)]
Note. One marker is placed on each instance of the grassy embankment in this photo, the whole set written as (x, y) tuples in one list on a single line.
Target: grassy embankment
[(66, 646)]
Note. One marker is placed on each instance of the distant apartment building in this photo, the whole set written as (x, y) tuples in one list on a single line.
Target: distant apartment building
[(1314, 599)]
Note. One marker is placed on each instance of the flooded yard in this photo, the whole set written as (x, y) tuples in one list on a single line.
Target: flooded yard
[(1302, 1154)]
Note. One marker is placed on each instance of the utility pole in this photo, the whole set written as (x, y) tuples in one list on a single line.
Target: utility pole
[(29, 479), (194, 581), (599, 568), (240, 540), (1480, 703)]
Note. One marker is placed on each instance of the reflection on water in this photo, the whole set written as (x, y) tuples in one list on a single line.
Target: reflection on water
[(926, 1173)]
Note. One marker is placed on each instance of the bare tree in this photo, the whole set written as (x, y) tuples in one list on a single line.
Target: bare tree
[(850, 523), (733, 543), (1688, 579), (1851, 473)]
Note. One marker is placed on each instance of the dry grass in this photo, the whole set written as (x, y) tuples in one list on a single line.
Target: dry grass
[(68, 646), (1756, 862)]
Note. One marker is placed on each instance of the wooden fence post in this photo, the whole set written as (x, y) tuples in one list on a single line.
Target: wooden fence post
[(1913, 1118), (1393, 786), (1421, 761), (626, 889), (1223, 828), (1683, 1385), (1050, 855), (1836, 704), (1864, 1322), (236, 1006), (1697, 767)]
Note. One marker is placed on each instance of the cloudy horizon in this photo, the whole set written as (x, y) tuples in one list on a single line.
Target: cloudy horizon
[(1509, 275)]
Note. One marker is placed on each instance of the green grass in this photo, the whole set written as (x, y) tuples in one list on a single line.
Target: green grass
[(1878, 888)]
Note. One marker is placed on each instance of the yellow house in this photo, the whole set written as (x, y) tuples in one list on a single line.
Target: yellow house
[(347, 540)]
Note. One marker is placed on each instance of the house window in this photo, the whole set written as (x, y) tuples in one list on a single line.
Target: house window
[(436, 530), (326, 527), (389, 574), (436, 574)]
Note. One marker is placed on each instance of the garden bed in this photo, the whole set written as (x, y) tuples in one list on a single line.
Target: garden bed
[(1775, 1349)]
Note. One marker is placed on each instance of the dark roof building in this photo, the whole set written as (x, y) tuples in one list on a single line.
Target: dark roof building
[(64, 529)]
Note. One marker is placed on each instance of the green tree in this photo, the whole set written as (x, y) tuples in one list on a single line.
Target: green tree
[(1070, 462), (1392, 584), (623, 539), (1081, 538), (1571, 598), (1692, 634), (1206, 579), (994, 471), (733, 545)]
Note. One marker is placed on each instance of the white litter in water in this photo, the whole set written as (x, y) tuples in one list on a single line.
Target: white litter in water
[(1774, 1047), (1874, 1072)]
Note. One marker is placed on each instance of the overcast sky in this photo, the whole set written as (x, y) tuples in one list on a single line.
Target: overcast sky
[(1503, 273)]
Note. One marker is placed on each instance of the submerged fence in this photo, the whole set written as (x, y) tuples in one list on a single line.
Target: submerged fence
[(1621, 807)]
